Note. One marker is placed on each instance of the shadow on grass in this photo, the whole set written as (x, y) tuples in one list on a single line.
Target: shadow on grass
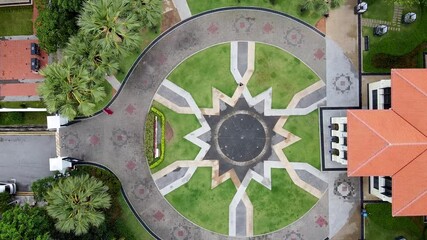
[(409, 60)]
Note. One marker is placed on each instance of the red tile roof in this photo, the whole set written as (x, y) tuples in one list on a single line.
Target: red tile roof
[(18, 89), (394, 142)]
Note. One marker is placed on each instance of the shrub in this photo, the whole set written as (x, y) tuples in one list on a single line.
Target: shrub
[(149, 137), (41, 187)]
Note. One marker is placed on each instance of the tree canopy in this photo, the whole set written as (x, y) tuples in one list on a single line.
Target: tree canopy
[(57, 21), (76, 203), (25, 223), (70, 89)]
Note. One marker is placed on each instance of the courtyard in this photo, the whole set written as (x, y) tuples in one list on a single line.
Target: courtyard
[(278, 105)]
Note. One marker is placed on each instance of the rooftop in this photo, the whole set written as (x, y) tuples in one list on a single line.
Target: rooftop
[(394, 142)]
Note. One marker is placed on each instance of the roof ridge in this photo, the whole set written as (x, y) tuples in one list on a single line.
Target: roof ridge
[(411, 202), (397, 72), (376, 133), (404, 119)]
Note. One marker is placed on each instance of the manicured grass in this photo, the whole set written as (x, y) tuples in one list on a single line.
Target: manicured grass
[(378, 9), (308, 148), (278, 69), (380, 225), (290, 7), (148, 35), (16, 21), (22, 118), (127, 225), (204, 206), (281, 206), (178, 148), (398, 49), (204, 70)]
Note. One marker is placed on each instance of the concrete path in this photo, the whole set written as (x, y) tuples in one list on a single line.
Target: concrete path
[(115, 140), (112, 80), (183, 9)]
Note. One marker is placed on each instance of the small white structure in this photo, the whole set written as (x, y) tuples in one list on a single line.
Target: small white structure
[(380, 94), (361, 7), (380, 187), (410, 17), (58, 164), (339, 139), (55, 122)]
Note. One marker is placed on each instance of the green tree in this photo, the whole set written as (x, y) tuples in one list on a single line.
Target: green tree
[(5, 199), (96, 59), (109, 23), (76, 203), (147, 11), (41, 186), (410, 3), (70, 89), (57, 21), (25, 223)]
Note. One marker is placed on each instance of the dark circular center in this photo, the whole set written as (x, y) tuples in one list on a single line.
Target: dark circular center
[(241, 137)]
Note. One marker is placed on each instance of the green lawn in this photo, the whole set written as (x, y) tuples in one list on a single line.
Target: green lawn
[(290, 7), (280, 70), (16, 21), (204, 70), (204, 206), (178, 148), (380, 225), (281, 206), (308, 148), (379, 9), (127, 225), (395, 49), (22, 118)]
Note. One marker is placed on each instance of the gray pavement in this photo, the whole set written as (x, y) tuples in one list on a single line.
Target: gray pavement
[(115, 141), (25, 158)]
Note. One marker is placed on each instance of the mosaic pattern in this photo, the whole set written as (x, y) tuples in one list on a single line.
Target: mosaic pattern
[(267, 28), (71, 141), (94, 140), (180, 232), (159, 215), (213, 28), (294, 235), (141, 189), (344, 188), (342, 83), (130, 109), (321, 221), (243, 24), (120, 137), (319, 54), (294, 37), (131, 165)]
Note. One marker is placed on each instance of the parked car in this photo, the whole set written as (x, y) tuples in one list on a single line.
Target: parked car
[(9, 187)]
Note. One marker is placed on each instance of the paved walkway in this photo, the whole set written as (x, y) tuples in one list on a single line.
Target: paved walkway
[(182, 8), (115, 140)]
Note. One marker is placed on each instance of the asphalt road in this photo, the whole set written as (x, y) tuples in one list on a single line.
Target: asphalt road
[(25, 158)]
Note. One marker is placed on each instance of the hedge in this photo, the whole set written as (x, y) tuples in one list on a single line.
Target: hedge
[(149, 137)]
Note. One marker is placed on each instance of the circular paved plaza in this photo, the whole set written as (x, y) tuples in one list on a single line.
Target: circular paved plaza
[(116, 141)]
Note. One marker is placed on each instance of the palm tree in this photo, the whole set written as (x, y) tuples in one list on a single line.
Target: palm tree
[(148, 11), (108, 22), (76, 203), (70, 89), (89, 53)]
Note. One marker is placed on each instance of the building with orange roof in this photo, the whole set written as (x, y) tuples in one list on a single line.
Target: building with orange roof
[(393, 142)]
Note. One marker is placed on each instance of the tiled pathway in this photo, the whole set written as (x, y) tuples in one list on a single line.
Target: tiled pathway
[(115, 141), (394, 25)]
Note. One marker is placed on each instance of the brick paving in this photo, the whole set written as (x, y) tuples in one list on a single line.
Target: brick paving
[(395, 23), (119, 136)]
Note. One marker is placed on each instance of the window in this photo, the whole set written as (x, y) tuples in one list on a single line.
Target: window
[(387, 98), (376, 183), (375, 99)]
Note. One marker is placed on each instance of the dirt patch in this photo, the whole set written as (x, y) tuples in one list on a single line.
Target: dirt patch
[(168, 132), (321, 25), (170, 15)]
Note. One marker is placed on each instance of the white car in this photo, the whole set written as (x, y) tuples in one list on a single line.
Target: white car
[(9, 187)]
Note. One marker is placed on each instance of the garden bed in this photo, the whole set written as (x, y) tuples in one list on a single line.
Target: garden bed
[(22, 118), (155, 137)]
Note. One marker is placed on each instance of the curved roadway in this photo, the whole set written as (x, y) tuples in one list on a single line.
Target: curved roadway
[(116, 141)]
